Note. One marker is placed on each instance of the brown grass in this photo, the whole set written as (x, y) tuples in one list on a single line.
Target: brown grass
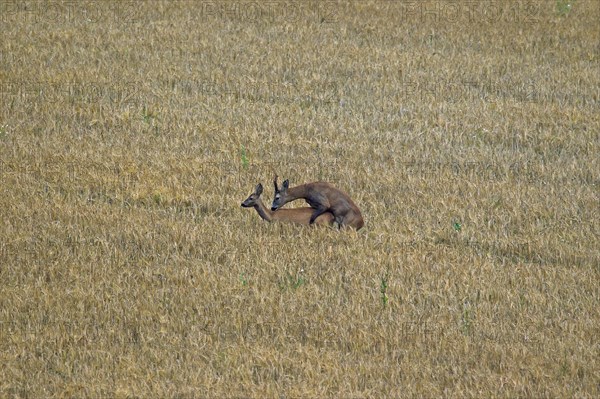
[(468, 137)]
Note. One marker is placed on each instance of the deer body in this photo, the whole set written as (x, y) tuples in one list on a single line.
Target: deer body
[(298, 215), (322, 197)]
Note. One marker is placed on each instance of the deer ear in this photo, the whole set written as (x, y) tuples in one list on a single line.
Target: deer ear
[(259, 189), (286, 184), (275, 183)]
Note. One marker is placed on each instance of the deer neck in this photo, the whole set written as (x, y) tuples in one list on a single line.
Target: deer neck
[(263, 211), (296, 192)]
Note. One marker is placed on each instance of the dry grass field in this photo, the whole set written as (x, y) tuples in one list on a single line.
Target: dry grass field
[(467, 132)]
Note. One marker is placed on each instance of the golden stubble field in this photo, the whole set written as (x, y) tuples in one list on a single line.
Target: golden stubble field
[(467, 132)]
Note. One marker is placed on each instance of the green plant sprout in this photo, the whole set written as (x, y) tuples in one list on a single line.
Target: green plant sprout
[(245, 161)]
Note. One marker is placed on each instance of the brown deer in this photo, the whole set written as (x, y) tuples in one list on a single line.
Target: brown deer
[(322, 197), (297, 215)]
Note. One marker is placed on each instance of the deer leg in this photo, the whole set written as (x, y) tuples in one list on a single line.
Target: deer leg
[(318, 212), (339, 220)]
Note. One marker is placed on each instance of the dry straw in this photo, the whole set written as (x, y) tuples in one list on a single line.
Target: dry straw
[(466, 132)]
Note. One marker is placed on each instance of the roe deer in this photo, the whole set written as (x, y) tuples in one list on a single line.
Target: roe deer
[(322, 197), (297, 215)]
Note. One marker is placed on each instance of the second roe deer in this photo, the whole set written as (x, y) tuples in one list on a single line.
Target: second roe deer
[(322, 197), (297, 215)]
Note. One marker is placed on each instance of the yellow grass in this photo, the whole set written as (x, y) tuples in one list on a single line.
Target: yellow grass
[(467, 133)]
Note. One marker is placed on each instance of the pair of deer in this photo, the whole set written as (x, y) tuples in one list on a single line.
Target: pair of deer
[(327, 205)]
